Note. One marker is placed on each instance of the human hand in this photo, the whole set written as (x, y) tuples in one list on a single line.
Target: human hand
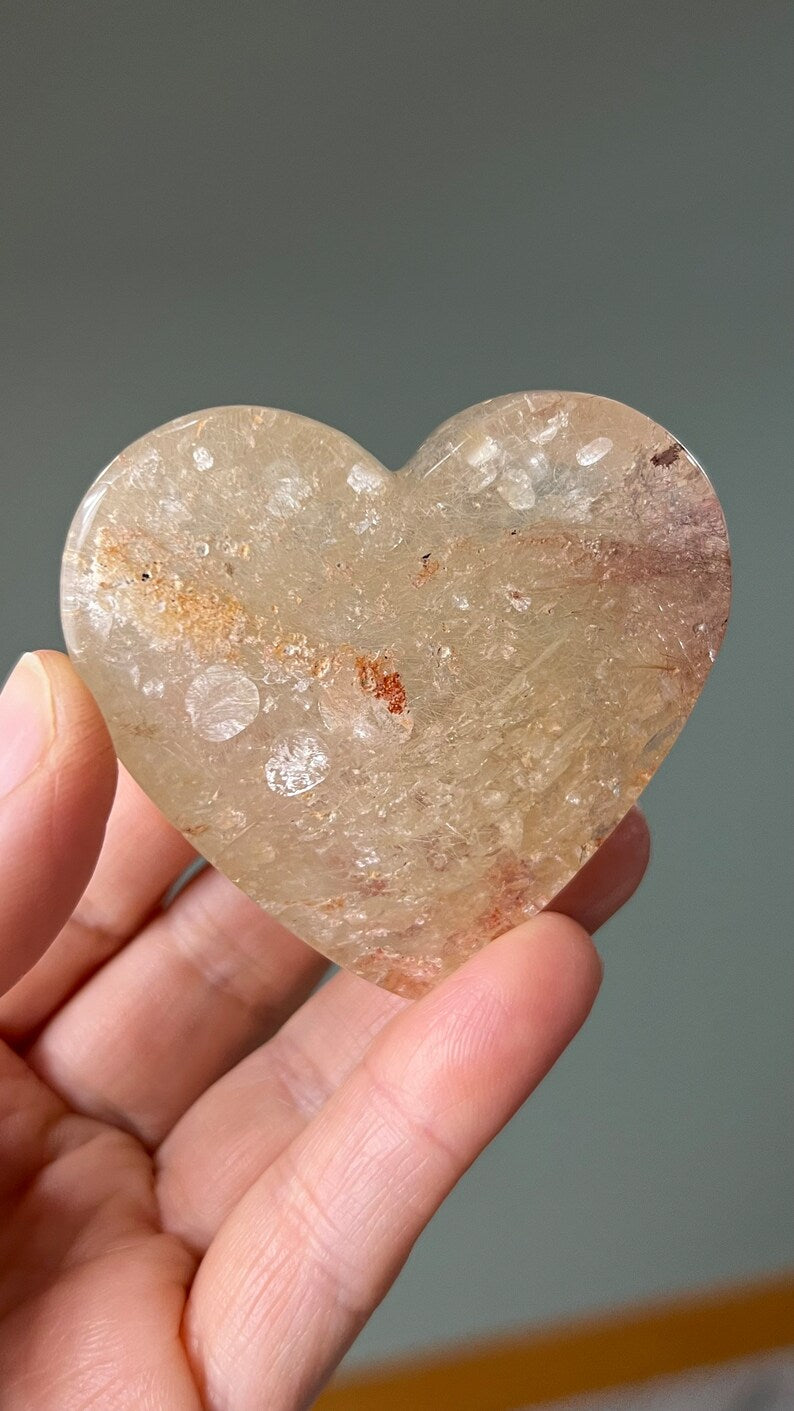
[(211, 1173)]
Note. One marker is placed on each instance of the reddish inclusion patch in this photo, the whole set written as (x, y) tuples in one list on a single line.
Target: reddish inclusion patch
[(383, 685)]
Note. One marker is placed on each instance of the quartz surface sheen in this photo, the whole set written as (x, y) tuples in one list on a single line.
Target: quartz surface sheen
[(399, 710)]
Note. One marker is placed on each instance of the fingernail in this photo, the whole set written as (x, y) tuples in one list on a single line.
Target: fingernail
[(27, 724)]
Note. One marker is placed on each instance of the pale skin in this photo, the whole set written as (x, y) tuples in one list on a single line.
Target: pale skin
[(210, 1172)]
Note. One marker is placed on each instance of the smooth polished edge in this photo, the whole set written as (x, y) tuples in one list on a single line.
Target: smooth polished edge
[(618, 1350), (85, 511), (499, 400)]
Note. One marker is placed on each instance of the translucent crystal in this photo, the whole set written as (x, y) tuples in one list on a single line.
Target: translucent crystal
[(399, 710)]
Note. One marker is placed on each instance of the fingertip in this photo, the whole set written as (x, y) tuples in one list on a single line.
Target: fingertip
[(531, 988), (552, 973), (610, 877), (561, 950), (635, 835)]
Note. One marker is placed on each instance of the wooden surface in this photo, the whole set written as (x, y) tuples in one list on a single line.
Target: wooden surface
[(617, 1350)]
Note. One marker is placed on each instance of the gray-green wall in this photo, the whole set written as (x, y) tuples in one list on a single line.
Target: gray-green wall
[(378, 214)]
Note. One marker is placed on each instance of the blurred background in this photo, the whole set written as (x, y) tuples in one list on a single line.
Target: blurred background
[(377, 215)]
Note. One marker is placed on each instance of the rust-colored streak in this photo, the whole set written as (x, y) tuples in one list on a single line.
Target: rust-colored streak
[(428, 570), (668, 455), (373, 886), (333, 904), (511, 887), (583, 558), (212, 621), (294, 649), (167, 606), (382, 684), (405, 974)]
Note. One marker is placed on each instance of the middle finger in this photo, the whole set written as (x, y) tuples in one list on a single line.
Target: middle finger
[(207, 980)]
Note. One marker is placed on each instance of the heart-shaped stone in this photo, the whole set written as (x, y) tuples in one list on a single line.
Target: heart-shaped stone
[(399, 710)]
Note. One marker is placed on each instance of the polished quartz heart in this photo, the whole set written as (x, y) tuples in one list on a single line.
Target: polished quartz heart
[(399, 710)]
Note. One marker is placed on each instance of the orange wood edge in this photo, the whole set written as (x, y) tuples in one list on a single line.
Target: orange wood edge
[(632, 1346)]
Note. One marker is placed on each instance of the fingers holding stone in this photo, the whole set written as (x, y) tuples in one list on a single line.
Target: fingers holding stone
[(206, 981), (242, 1123), (142, 856), (57, 777), (313, 1246)]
